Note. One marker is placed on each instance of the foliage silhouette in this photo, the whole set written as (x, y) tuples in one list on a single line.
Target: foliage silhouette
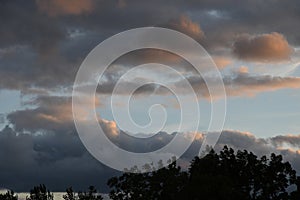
[(70, 194), (40, 193), (227, 176), (9, 195), (295, 195), (90, 195)]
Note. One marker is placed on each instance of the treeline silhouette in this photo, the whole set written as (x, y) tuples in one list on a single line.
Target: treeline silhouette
[(227, 175)]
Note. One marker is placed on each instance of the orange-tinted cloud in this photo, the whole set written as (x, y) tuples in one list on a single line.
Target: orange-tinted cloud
[(109, 127), (221, 61), (243, 70), (187, 26), (271, 47), (65, 7)]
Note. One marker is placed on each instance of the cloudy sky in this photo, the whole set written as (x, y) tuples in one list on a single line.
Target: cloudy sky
[(254, 44)]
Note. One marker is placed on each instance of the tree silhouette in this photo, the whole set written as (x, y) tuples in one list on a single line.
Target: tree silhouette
[(227, 175), (40, 193), (295, 195), (239, 176), (90, 195), (161, 184), (9, 195), (70, 194)]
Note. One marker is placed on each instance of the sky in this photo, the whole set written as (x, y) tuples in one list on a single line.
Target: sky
[(254, 44)]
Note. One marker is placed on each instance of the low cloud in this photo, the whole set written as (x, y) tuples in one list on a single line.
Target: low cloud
[(57, 160), (60, 160), (271, 47)]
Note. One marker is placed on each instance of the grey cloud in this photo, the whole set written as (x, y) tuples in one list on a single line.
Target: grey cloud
[(21, 24), (261, 146), (245, 84), (236, 84), (49, 113), (290, 140), (244, 140)]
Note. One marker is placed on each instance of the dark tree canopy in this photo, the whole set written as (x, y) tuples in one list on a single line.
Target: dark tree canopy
[(228, 175)]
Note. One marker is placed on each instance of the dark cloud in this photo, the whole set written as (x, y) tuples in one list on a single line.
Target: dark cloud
[(57, 160), (21, 24), (60, 160)]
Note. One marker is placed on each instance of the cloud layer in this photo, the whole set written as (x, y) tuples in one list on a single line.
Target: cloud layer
[(60, 160), (51, 38)]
